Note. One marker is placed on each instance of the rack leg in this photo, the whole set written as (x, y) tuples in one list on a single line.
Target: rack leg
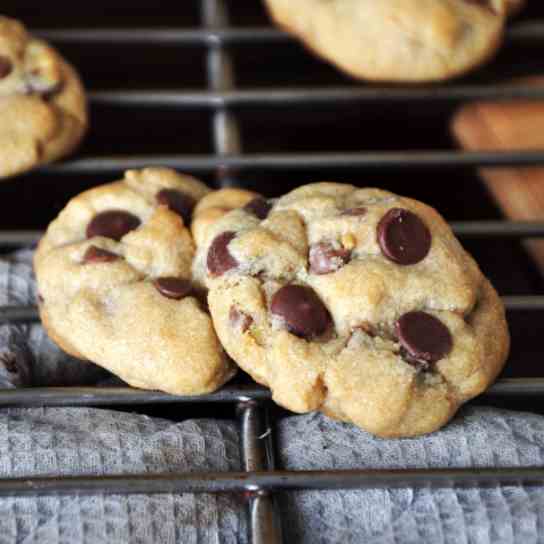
[(257, 454)]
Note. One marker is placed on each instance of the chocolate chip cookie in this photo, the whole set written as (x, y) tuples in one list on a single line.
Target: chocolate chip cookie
[(211, 208), (356, 302), (398, 40), (215, 205), (42, 102), (114, 276)]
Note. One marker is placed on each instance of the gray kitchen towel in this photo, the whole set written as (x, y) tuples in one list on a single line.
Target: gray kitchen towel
[(91, 441), (478, 437), (27, 356), (84, 441)]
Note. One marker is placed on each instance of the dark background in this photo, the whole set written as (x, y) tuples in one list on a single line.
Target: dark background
[(31, 201)]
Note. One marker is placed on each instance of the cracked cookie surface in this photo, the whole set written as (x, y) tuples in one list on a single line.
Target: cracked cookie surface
[(356, 302), (398, 40), (114, 276), (42, 102)]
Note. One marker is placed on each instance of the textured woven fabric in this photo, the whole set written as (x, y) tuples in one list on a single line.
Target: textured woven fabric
[(27, 356), (478, 437), (83, 441)]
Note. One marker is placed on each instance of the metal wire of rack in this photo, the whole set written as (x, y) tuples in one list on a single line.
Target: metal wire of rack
[(259, 477)]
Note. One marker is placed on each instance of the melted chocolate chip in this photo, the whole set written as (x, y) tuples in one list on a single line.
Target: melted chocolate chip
[(6, 67), (259, 207), (177, 201), (424, 338), (403, 237), (219, 259), (302, 310), (176, 288), (325, 258), (112, 224), (98, 255), (239, 320), (355, 211)]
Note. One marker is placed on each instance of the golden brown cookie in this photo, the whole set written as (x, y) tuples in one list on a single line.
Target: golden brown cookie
[(114, 274), (42, 102), (215, 205), (356, 302), (210, 209), (398, 40)]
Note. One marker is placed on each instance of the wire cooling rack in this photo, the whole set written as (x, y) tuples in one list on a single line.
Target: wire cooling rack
[(260, 479)]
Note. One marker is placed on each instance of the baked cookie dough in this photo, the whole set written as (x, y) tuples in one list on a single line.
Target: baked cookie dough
[(114, 277), (42, 102), (214, 206), (358, 303), (211, 208), (398, 40)]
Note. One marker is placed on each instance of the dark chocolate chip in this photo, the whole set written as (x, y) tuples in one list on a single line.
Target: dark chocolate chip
[(112, 224), (98, 255), (302, 310), (355, 211), (175, 288), (219, 258), (239, 320), (177, 201), (325, 258), (403, 237), (423, 337), (6, 67), (259, 207)]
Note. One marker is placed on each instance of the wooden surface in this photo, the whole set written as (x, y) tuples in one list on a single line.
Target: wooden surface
[(509, 126)]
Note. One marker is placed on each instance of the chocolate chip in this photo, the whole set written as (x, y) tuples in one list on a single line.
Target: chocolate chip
[(175, 288), (259, 207), (177, 201), (325, 258), (403, 237), (112, 224), (219, 258), (424, 338), (98, 255), (239, 320), (302, 310), (355, 211), (6, 67)]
